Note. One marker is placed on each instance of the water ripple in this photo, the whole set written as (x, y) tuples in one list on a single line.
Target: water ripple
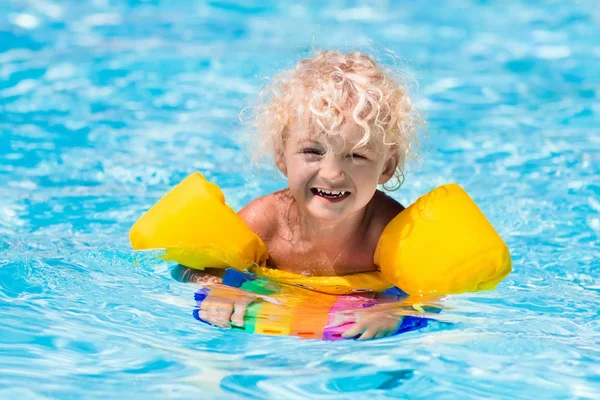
[(105, 105)]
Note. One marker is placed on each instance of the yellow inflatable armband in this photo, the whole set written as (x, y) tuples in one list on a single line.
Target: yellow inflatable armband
[(197, 229), (442, 244)]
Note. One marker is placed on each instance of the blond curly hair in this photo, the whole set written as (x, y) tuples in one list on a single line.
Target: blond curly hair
[(331, 86)]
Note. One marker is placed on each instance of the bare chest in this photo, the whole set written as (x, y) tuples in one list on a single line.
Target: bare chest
[(325, 257)]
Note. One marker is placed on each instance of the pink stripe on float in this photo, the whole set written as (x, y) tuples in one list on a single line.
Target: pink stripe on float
[(344, 303)]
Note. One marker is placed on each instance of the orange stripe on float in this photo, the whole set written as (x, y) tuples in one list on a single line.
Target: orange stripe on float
[(311, 316)]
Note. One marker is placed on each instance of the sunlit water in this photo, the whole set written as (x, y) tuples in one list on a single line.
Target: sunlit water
[(104, 105)]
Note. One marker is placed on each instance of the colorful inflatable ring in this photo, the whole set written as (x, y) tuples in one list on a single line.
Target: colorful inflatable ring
[(303, 313)]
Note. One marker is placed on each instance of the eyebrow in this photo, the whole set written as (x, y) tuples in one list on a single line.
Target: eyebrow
[(365, 147), (308, 141)]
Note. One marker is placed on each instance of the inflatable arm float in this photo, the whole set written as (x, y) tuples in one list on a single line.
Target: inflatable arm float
[(441, 244)]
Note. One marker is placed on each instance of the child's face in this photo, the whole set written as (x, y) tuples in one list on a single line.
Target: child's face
[(328, 176)]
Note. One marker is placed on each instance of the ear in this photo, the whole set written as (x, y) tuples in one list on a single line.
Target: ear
[(280, 162), (389, 168)]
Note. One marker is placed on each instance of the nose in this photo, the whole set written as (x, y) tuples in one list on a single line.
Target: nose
[(331, 168)]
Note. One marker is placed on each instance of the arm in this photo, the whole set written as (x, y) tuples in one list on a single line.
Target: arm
[(374, 322), (368, 323), (224, 305), (206, 277)]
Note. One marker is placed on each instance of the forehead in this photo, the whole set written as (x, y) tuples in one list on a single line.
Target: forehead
[(348, 135)]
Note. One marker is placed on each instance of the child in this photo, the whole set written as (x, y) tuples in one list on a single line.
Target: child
[(338, 125)]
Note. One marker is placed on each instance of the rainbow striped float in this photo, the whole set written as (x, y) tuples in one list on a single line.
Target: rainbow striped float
[(307, 314)]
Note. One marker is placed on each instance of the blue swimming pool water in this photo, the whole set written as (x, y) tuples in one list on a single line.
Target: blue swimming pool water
[(104, 105)]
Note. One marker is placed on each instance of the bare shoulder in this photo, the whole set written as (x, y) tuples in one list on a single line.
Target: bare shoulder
[(385, 209), (262, 214)]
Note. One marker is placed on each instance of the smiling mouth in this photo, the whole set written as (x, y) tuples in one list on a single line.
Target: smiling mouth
[(330, 194)]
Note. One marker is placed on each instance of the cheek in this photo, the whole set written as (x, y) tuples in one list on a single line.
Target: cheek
[(299, 172), (365, 172)]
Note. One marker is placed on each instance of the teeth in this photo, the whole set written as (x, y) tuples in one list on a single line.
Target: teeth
[(331, 193)]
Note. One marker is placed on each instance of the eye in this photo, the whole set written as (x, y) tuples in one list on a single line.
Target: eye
[(312, 151), (358, 156)]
